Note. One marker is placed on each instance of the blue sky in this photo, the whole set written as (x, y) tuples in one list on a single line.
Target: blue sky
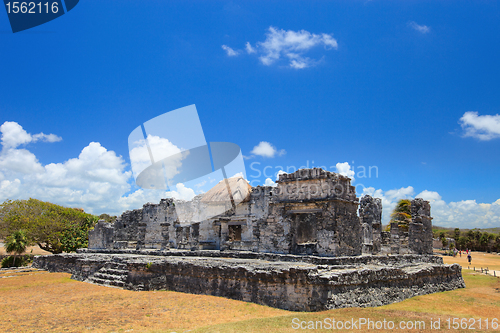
[(410, 88)]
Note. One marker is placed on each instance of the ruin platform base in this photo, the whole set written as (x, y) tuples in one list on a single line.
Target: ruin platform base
[(290, 282)]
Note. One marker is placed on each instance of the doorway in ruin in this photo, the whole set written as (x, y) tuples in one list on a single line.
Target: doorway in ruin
[(234, 233), (304, 228)]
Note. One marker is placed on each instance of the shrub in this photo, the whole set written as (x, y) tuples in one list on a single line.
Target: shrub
[(54, 228), (18, 262)]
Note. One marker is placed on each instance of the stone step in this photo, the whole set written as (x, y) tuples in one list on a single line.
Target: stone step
[(112, 274), (110, 277), (115, 265), (105, 282), (113, 271), (115, 283)]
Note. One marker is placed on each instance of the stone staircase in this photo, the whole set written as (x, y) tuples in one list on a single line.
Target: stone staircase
[(112, 274)]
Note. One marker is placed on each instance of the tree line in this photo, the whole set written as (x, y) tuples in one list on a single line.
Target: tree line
[(474, 240)]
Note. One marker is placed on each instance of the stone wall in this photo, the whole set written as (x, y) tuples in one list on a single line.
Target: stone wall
[(297, 286), (101, 237)]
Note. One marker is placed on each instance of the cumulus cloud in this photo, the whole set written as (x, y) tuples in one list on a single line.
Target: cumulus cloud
[(13, 135), (157, 148), (345, 170), (270, 182), (289, 45), (182, 192), (461, 214), (229, 51), (97, 180), (420, 28), (266, 149), (486, 127)]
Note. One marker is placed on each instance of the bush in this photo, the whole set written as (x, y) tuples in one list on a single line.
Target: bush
[(54, 228), (19, 262)]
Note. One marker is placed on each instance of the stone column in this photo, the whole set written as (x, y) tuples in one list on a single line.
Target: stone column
[(395, 238), (370, 212), (420, 233), (141, 235), (165, 234)]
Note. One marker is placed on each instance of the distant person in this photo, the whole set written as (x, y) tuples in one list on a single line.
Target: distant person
[(460, 252), (469, 257)]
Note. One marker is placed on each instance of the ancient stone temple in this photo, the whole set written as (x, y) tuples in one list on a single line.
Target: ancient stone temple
[(311, 211), (308, 244)]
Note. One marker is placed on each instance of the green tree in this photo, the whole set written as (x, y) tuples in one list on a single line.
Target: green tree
[(462, 243), (444, 241), (16, 243), (108, 218), (456, 234), (402, 213), (54, 228)]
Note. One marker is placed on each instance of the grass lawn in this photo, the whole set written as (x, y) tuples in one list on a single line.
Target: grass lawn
[(40, 301)]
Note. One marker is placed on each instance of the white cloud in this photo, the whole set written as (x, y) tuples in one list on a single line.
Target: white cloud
[(402, 193), (292, 45), (182, 193), (345, 170), (287, 44), (97, 180), (249, 48), (270, 182), (19, 161), (160, 148), (229, 51), (484, 128), (461, 214), (13, 135), (9, 188), (266, 149), (420, 28)]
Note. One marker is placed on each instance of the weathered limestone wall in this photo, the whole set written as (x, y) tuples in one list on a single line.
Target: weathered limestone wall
[(101, 237), (126, 230), (147, 227), (370, 214), (420, 229), (312, 211), (157, 219), (296, 286)]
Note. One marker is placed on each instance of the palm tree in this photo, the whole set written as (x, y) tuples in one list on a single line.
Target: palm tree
[(17, 243), (402, 213)]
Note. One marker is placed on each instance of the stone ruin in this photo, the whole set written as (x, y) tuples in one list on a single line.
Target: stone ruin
[(311, 211), (300, 246)]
